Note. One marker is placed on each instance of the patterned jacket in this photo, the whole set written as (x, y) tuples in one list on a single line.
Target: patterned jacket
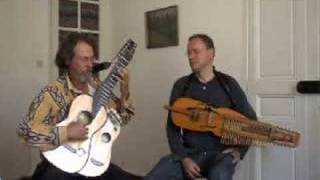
[(38, 127)]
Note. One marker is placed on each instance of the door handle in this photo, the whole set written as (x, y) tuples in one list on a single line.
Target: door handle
[(308, 87)]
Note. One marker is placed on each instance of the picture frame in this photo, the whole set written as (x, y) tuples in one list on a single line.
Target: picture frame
[(162, 27)]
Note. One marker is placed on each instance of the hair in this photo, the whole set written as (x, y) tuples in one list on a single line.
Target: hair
[(65, 52), (205, 38)]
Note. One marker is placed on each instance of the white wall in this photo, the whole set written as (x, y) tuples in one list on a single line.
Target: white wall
[(24, 47), (26, 50), (28, 44), (153, 71)]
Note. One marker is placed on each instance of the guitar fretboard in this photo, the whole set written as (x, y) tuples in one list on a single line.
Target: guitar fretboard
[(104, 93)]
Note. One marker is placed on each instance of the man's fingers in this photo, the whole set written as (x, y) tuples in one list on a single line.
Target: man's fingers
[(236, 157), (235, 160), (118, 76), (192, 169), (189, 174), (195, 174), (234, 153), (192, 175), (237, 166), (195, 171), (227, 151), (122, 73)]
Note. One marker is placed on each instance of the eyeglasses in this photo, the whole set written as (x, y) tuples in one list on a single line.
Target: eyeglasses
[(86, 59)]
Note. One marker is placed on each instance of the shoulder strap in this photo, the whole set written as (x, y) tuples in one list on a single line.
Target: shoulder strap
[(187, 84), (224, 83)]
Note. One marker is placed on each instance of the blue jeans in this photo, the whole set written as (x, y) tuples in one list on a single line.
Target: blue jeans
[(213, 167)]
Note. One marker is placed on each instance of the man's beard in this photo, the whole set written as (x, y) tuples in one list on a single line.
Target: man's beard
[(85, 77)]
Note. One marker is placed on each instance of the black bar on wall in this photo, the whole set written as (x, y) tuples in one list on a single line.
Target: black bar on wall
[(308, 87)]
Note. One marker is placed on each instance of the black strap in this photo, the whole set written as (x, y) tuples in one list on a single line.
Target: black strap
[(224, 83), (187, 85)]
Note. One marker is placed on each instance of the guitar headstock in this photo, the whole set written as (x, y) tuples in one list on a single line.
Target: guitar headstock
[(284, 137), (104, 93), (127, 51)]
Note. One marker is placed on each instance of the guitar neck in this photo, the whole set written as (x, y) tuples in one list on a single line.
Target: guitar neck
[(104, 93)]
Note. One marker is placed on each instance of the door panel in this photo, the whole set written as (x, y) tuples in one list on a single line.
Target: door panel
[(275, 39), (277, 60)]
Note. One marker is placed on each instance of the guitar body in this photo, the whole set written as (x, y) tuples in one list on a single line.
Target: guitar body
[(231, 126), (79, 157), (72, 157), (101, 145)]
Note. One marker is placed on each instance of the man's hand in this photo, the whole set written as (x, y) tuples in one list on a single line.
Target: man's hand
[(191, 168), (234, 153), (124, 83), (77, 131)]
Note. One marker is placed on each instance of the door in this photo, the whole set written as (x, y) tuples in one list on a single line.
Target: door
[(283, 48)]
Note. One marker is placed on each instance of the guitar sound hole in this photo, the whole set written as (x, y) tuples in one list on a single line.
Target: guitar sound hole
[(105, 137), (85, 117)]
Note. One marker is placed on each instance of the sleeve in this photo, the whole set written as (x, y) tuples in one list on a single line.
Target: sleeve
[(243, 107), (124, 108), (174, 134), (37, 128)]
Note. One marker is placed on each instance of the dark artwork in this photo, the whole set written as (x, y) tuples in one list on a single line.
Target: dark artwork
[(162, 27), (90, 16), (68, 13)]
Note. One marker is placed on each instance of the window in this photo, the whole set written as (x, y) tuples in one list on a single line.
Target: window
[(78, 16)]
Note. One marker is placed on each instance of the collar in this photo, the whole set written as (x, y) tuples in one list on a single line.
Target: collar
[(72, 88)]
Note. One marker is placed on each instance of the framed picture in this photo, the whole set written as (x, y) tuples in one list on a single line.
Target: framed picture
[(162, 27)]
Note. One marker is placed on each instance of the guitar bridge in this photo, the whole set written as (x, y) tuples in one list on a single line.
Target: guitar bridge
[(114, 117), (96, 162)]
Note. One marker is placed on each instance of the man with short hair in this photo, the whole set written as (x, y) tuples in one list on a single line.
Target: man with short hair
[(201, 154)]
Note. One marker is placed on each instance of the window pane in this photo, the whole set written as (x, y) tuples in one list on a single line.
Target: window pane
[(63, 35), (68, 13), (89, 16)]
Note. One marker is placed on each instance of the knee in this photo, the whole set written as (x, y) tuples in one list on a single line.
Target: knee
[(167, 159), (164, 164), (223, 170), (166, 168)]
